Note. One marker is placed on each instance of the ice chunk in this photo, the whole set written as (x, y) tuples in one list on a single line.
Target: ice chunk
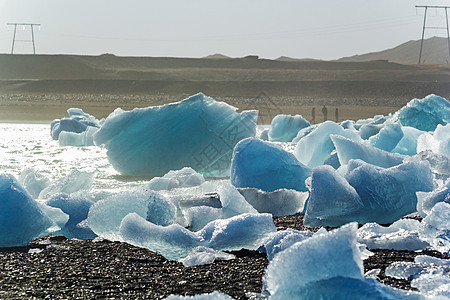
[(440, 164), (282, 202), (203, 256), (281, 240), (348, 149), (33, 181), (437, 227), (266, 166), (21, 219), (426, 201), (390, 194), (401, 235), (408, 144), (284, 128), (173, 241), (424, 114), (183, 178), (147, 141), (438, 141), (320, 257), (241, 231), (77, 122), (333, 201), (313, 149), (368, 130), (388, 137), (264, 135), (77, 208), (212, 296), (75, 181), (105, 216), (85, 138)]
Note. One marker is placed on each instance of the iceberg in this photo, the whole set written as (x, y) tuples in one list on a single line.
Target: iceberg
[(105, 216), (77, 208), (424, 114), (197, 132), (282, 202), (21, 219), (284, 128), (73, 182), (85, 138), (265, 166), (281, 240), (333, 201), (389, 194), (408, 144), (349, 149), (388, 137), (33, 181), (183, 178), (313, 149), (77, 122), (404, 234), (175, 242)]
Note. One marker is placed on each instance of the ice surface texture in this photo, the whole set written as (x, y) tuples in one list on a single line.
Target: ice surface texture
[(425, 114), (197, 132), (262, 165), (284, 128), (75, 181), (21, 219)]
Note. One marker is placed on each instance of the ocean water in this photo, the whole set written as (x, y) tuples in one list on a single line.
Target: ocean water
[(31, 146)]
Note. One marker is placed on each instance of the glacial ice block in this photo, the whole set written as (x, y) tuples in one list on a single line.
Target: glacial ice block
[(320, 257), (21, 219), (424, 114), (203, 256), (389, 194), (33, 181), (333, 201), (183, 178), (348, 149), (266, 166), (313, 149), (426, 201), (77, 122), (105, 216), (85, 138), (408, 144), (388, 137), (281, 240), (284, 128), (73, 182), (197, 132)]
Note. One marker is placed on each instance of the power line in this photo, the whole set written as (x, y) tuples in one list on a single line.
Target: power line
[(425, 27), (32, 34)]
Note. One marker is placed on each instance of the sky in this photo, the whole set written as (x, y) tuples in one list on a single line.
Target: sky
[(320, 29)]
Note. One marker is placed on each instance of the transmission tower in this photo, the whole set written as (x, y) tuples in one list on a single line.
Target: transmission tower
[(32, 35)]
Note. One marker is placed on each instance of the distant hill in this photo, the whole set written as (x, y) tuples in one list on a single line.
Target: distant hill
[(217, 56), (434, 51), (286, 58)]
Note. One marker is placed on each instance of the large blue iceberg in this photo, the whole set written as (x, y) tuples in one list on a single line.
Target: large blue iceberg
[(266, 166), (197, 132)]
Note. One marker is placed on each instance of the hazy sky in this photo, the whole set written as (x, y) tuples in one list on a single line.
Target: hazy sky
[(322, 29)]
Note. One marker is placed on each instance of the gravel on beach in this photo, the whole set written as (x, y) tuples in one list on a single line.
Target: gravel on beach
[(77, 269)]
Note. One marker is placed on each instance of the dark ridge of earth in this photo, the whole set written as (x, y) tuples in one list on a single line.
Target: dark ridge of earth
[(78, 269)]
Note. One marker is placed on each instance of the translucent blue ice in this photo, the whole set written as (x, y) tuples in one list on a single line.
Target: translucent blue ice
[(388, 137), (266, 166), (425, 114), (313, 149), (77, 208), (183, 178), (281, 240), (21, 219), (197, 132), (333, 201), (349, 149), (284, 128), (175, 242), (77, 122), (437, 227), (426, 201), (106, 215), (282, 202), (368, 130), (320, 257), (389, 194), (33, 181), (203, 256), (404, 234), (408, 144), (73, 182), (438, 141), (85, 138)]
